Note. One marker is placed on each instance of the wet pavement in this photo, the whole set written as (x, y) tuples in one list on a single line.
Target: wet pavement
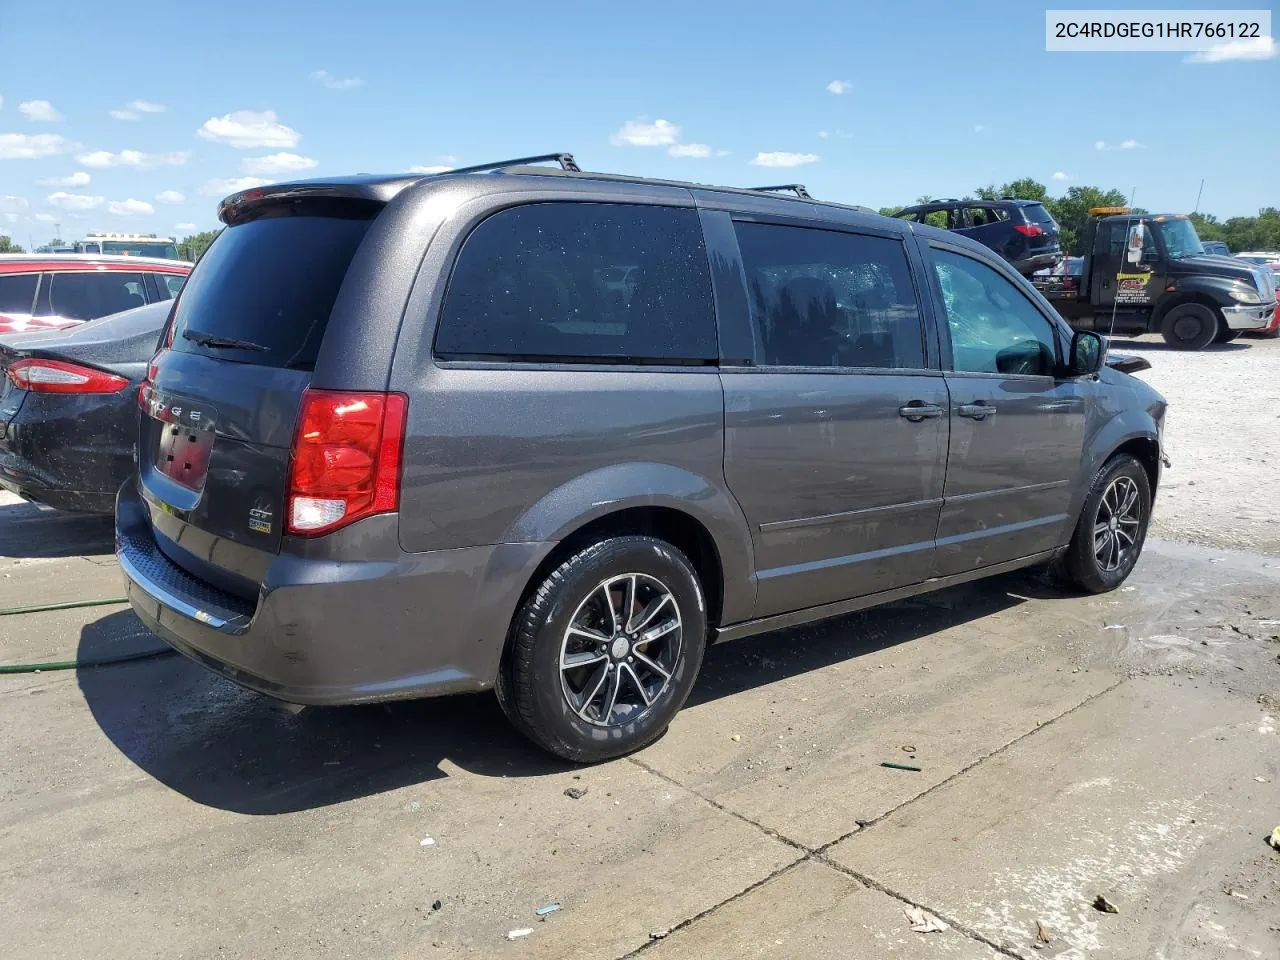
[(1125, 746)]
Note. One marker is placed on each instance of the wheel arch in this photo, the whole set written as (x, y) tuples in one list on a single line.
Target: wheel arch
[(1167, 303)]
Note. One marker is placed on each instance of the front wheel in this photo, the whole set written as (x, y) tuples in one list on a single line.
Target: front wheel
[(1190, 326), (1225, 334), (603, 654), (1112, 527)]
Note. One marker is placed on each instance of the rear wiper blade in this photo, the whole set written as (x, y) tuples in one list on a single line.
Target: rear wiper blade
[(209, 340)]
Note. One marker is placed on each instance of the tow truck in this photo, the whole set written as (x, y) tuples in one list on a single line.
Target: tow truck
[(1149, 273)]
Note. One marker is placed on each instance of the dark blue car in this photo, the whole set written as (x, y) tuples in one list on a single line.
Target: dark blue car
[(1021, 231)]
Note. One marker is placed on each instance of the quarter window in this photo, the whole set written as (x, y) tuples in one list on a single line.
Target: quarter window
[(994, 327), (829, 299), (17, 292), (582, 281)]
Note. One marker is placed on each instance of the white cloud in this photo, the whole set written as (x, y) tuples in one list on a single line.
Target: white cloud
[(336, 83), (979, 127), (134, 158), (277, 163), (1061, 176), (73, 201), (46, 218), (430, 168), (839, 86), (783, 159), (226, 185), (13, 204), (824, 134), (130, 208), (697, 151), (39, 111), (23, 146), (641, 133), (136, 108), (77, 179), (1255, 48), (247, 129), (1123, 145), (11, 217), (184, 226), (170, 196)]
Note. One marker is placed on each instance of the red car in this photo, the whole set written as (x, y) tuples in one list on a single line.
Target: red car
[(48, 291)]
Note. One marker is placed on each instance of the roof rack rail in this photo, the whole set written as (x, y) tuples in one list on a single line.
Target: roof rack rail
[(797, 188), (565, 160)]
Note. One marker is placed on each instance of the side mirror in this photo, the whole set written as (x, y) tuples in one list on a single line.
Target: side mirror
[(1137, 236), (1088, 354)]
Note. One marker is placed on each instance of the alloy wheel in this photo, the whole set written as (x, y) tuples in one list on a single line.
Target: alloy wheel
[(621, 649), (1117, 525)]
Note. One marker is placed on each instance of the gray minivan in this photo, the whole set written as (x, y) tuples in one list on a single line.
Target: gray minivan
[(408, 436)]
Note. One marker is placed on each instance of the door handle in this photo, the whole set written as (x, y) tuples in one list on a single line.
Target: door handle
[(917, 411), (978, 411)]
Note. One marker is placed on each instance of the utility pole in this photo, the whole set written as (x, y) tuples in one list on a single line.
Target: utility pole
[(1199, 193)]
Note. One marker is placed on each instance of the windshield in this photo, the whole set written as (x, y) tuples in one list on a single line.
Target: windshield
[(1180, 238), (142, 248)]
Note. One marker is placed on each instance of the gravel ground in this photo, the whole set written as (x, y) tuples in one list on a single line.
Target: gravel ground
[(1223, 435)]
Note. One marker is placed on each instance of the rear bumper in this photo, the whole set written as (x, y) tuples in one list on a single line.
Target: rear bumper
[(1038, 261), (325, 631), (1246, 317)]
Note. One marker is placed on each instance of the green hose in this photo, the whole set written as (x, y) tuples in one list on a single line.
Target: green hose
[(74, 664), (77, 664), (65, 605)]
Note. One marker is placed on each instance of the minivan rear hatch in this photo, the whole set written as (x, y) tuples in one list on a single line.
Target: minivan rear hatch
[(1039, 215), (222, 398)]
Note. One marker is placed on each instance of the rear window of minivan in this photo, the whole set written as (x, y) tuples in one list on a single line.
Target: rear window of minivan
[(271, 282), (576, 281)]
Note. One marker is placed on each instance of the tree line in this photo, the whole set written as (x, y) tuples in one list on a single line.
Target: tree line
[(1071, 211)]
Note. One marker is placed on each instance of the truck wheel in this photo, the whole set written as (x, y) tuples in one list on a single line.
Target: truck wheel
[(605, 651), (1225, 334), (1189, 326)]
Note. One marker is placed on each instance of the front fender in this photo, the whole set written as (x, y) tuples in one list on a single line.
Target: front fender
[(607, 490), (1108, 436)]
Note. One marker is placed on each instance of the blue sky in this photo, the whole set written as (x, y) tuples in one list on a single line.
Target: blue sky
[(139, 116)]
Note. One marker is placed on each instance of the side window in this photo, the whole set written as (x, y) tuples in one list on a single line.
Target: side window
[(18, 292), (1118, 239), (994, 327), (169, 284), (829, 299), (980, 216), (582, 281), (912, 217), (87, 296), (939, 218)]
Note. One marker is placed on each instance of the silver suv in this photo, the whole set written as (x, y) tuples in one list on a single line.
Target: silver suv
[(409, 436)]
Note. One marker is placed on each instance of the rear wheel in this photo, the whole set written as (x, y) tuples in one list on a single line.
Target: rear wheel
[(1112, 527), (1190, 326), (604, 653)]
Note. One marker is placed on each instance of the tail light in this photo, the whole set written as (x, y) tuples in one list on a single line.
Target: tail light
[(1029, 229), (345, 462), (59, 376), (153, 367)]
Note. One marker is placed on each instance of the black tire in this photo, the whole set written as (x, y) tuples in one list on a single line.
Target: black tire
[(534, 691), (1225, 334), (1190, 326), (1083, 565)]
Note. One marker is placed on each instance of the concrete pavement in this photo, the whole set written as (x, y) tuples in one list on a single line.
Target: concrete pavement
[(1070, 747)]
